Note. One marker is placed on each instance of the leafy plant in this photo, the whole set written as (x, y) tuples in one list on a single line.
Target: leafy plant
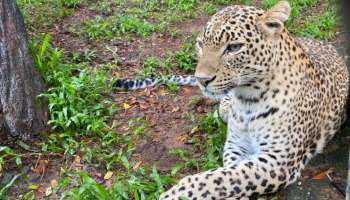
[(215, 133), (211, 129), (79, 111), (42, 13), (71, 3), (138, 126), (5, 188), (119, 25), (137, 184), (97, 28), (209, 8), (150, 66), (6, 155), (319, 27), (76, 100), (185, 59), (184, 6)]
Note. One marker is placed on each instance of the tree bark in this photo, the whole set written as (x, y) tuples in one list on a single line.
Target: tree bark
[(22, 115), (348, 187)]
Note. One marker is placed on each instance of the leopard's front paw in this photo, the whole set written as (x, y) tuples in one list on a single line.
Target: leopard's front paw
[(172, 194), (181, 191)]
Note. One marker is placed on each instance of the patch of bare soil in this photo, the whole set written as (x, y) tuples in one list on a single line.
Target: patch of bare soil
[(168, 127), (161, 109), (130, 53), (193, 26)]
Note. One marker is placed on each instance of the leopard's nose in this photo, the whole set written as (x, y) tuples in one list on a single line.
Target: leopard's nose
[(205, 80)]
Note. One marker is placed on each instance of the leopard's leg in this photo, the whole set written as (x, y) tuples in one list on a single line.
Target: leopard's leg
[(225, 108), (259, 166), (259, 174), (235, 150)]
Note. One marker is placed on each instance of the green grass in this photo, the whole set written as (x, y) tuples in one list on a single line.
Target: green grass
[(211, 129), (141, 183), (44, 13), (184, 59), (209, 8), (320, 27), (117, 26), (246, 2), (296, 5), (7, 156), (4, 188), (152, 66), (77, 99), (80, 112), (142, 18), (146, 183)]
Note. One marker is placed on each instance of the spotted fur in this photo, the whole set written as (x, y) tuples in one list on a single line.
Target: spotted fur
[(283, 99), (133, 84)]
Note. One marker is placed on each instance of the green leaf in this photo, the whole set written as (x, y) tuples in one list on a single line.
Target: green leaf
[(18, 160), (24, 145), (8, 185)]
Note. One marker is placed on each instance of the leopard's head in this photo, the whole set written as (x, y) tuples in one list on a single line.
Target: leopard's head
[(237, 48)]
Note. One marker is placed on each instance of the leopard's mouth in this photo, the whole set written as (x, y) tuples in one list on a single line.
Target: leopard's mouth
[(216, 94)]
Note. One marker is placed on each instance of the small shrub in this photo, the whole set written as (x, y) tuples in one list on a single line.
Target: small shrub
[(209, 8)]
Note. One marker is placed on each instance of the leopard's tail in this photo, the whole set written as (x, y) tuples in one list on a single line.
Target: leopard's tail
[(134, 84)]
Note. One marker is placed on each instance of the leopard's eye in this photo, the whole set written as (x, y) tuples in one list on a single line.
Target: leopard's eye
[(200, 44), (199, 48), (232, 48)]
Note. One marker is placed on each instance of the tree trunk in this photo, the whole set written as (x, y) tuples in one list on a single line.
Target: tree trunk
[(22, 115), (348, 187)]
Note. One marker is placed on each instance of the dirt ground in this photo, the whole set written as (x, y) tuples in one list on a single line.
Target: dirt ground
[(163, 111)]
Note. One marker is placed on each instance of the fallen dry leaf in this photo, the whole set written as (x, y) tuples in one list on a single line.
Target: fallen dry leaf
[(143, 106), (40, 167), (156, 140), (116, 74), (137, 165), (48, 191), (53, 183), (175, 109), (33, 186), (77, 159), (148, 92), (182, 138), (126, 106), (125, 128), (162, 92), (108, 175), (322, 175)]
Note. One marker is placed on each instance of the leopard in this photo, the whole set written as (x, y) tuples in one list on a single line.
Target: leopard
[(283, 99)]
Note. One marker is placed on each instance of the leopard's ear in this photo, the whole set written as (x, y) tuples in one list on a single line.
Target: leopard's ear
[(272, 21)]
